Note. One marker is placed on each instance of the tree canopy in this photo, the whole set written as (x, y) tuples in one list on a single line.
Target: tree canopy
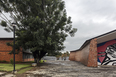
[(42, 25)]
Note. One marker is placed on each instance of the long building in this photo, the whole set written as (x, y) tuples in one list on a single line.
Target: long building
[(22, 56), (100, 50)]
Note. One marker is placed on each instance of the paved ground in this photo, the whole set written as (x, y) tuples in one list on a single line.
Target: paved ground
[(69, 69)]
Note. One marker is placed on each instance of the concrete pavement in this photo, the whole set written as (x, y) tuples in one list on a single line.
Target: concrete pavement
[(2, 73), (67, 69), (5, 74), (71, 69)]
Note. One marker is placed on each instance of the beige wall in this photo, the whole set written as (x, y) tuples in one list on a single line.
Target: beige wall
[(82, 55), (72, 56), (88, 55)]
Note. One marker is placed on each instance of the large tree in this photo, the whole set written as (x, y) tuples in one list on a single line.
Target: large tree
[(42, 25)]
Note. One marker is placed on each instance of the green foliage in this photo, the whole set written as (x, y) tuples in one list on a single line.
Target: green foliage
[(55, 53), (16, 46), (42, 25), (57, 56), (65, 54), (27, 62), (18, 61), (3, 23), (42, 61), (11, 61), (3, 61)]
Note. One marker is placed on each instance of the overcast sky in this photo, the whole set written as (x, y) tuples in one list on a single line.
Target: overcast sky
[(90, 17)]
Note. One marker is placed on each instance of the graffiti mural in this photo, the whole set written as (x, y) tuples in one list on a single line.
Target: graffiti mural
[(107, 53)]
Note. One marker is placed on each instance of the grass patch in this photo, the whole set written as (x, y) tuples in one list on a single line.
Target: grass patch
[(26, 62), (9, 67), (24, 70)]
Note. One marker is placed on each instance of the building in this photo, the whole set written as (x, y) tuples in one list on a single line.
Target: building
[(100, 50), (22, 56)]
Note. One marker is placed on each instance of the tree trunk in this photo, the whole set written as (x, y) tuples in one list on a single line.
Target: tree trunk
[(35, 58), (38, 55), (38, 61)]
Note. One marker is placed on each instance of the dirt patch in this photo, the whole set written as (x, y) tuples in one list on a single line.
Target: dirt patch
[(23, 74)]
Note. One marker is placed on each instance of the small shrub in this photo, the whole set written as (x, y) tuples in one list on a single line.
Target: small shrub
[(4, 61), (57, 57), (42, 61), (11, 61), (18, 61), (28, 62)]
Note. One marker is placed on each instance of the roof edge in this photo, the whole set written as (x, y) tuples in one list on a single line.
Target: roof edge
[(6, 38), (88, 41)]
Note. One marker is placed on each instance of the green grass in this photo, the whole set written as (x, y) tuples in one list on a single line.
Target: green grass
[(24, 70), (9, 67)]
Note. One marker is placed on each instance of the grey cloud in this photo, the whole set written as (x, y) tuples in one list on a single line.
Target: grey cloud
[(101, 7), (4, 34), (90, 17)]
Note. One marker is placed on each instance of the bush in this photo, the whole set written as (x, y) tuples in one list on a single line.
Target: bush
[(42, 61), (11, 61), (57, 56), (18, 62), (3, 61), (28, 62)]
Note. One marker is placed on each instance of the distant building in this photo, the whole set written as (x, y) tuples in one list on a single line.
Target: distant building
[(100, 50), (22, 56)]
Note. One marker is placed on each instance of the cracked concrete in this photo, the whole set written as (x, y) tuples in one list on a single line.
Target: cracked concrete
[(67, 69), (71, 69)]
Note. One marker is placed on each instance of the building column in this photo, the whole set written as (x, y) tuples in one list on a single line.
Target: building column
[(92, 58)]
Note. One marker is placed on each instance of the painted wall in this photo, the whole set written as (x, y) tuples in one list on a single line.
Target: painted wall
[(107, 53)]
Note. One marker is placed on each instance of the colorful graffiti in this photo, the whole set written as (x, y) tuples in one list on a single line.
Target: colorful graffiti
[(107, 53)]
